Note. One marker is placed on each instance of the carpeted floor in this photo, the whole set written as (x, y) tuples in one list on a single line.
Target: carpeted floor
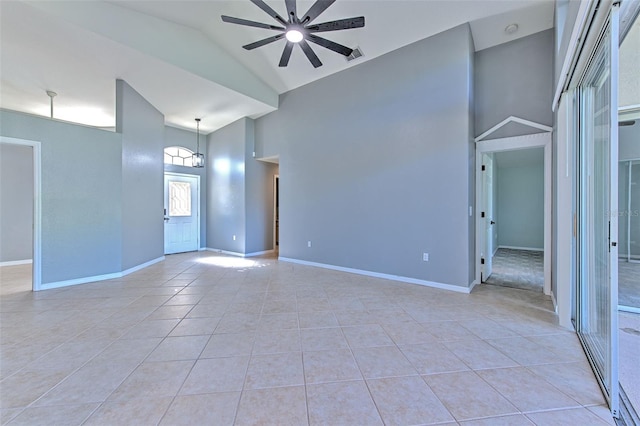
[(629, 284), (523, 269)]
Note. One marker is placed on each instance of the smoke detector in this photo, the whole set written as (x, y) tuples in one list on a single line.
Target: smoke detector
[(511, 28)]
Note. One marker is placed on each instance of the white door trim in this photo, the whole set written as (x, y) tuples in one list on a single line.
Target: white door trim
[(536, 140), (513, 119), (37, 206), (197, 177), (276, 182)]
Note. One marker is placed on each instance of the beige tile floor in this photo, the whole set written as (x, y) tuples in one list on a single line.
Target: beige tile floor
[(207, 339), (629, 340)]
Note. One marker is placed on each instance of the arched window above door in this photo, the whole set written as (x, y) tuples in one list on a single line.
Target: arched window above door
[(178, 155)]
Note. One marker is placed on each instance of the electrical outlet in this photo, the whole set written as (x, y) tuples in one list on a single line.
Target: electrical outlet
[(470, 211), (425, 257), (234, 238), (308, 243)]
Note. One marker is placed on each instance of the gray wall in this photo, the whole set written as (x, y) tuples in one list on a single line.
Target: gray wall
[(629, 144), (16, 202), (364, 154), (142, 128), (520, 207), (240, 192), (259, 187), (225, 187), (81, 195), (187, 139), (102, 192), (514, 78), (629, 141), (629, 210)]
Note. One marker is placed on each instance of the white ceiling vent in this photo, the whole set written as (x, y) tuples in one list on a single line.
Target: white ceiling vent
[(357, 52)]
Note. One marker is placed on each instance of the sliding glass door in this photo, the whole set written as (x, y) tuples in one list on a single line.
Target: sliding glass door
[(597, 298)]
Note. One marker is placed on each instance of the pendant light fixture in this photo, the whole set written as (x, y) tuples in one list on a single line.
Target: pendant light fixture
[(198, 158), (51, 94)]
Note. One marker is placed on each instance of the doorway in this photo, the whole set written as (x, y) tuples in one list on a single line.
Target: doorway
[(515, 207), (21, 215), (181, 213), (513, 233)]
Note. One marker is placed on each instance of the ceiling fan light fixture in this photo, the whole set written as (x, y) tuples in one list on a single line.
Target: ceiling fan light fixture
[(299, 31), (294, 35)]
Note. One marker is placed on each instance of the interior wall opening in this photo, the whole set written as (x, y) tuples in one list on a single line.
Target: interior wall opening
[(513, 225), (18, 195), (516, 219)]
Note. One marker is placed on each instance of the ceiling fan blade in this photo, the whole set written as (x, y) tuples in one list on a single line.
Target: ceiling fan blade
[(286, 54), (311, 55), (262, 42), (265, 7), (291, 11), (341, 24), (331, 45), (232, 20), (315, 10)]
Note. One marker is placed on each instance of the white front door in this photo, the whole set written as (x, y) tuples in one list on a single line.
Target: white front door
[(181, 208), (487, 211)]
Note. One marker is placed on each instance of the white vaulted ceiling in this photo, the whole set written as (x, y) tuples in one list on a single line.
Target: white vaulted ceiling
[(184, 60)]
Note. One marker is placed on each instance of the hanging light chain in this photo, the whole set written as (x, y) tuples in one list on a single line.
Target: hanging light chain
[(198, 159), (198, 135)]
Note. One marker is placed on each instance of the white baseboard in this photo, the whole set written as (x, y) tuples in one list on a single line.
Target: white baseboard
[(634, 259), (142, 266), (433, 284), (16, 262), (521, 248), (630, 309), (230, 253), (473, 284), (235, 253), (84, 280), (259, 253), (76, 281)]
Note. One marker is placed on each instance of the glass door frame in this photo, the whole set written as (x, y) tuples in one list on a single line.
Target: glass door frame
[(603, 360)]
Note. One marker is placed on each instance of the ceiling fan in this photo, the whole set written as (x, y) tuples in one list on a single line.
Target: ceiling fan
[(300, 30)]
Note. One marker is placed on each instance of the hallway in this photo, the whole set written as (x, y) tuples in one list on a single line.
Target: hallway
[(523, 269)]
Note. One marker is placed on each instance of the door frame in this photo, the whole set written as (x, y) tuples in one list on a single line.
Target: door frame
[(487, 264), (607, 31), (276, 216), (198, 248), (536, 140), (36, 274)]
